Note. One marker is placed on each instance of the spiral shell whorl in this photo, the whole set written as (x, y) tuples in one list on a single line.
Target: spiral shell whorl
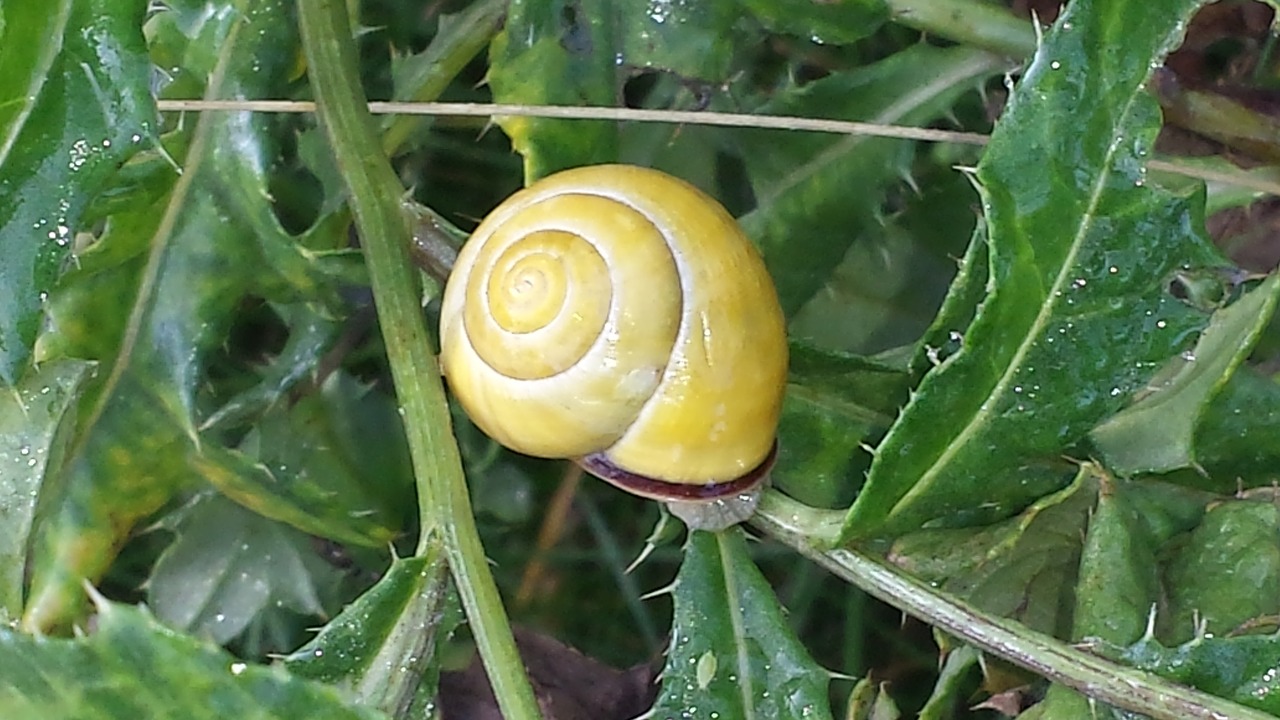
[(617, 310)]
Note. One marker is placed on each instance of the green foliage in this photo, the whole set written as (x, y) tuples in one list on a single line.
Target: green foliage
[(74, 104), (134, 667), (1023, 381), (1082, 252), (731, 652)]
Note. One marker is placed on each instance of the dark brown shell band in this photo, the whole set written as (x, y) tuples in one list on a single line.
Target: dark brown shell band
[(600, 466)]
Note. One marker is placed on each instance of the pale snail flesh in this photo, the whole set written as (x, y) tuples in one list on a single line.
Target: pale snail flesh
[(619, 316)]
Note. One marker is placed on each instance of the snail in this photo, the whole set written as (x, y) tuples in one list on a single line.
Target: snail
[(618, 316)]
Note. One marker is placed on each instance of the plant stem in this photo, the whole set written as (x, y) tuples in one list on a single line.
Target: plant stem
[(443, 503), (968, 22), (1095, 677)]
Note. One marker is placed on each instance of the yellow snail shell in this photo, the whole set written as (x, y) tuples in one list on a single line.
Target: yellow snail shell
[(618, 316)]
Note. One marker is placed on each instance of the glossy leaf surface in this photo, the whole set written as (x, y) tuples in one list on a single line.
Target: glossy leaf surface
[(138, 429), (731, 653), (1225, 573), (1240, 668), (133, 667), (75, 103), (1082, 254), (383, 648), (29, 417), (1156, 434)]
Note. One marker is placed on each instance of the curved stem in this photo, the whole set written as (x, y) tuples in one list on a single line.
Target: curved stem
[(435, 242), (1124, 687), (444, 505)]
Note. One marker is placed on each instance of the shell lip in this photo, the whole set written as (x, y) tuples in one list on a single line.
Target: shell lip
[(600, 466)]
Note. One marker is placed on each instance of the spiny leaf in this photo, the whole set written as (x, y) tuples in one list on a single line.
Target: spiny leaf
[(817, 194), (1024, 567), (139, 424), (383, 648), (1119, 577), (1237, 442), (227, 565), (1240, 668), (75, 103), (834, 23), (29, 416), (1156, 433), (1082, 254), (133, 667), (549, 40), (732, 654)]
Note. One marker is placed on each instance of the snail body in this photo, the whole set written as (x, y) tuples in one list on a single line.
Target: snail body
[(618, 316)]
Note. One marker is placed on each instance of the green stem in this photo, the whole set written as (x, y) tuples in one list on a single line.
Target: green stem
[(969, 22), (444, 505), (786, 520)]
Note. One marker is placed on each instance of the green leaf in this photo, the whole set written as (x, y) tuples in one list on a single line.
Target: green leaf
[(75, 103), (732, 653), (694, 41), (1121, 575), (870, 388), (945, 335), (952, 683), (424, 76), (1119, 581), (165, 311), (591, 48), (1062, 703), (1241, 668), (333, 464), (869, 700), (1238, 440), (383, 649), (816, 195), (226, 566), (1155, 434), (835, 23), (1082, 253), (133, 667), (1225, 573), (572, 43), (1024, 567), (819, 442), (29, 416), (311, 334)]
